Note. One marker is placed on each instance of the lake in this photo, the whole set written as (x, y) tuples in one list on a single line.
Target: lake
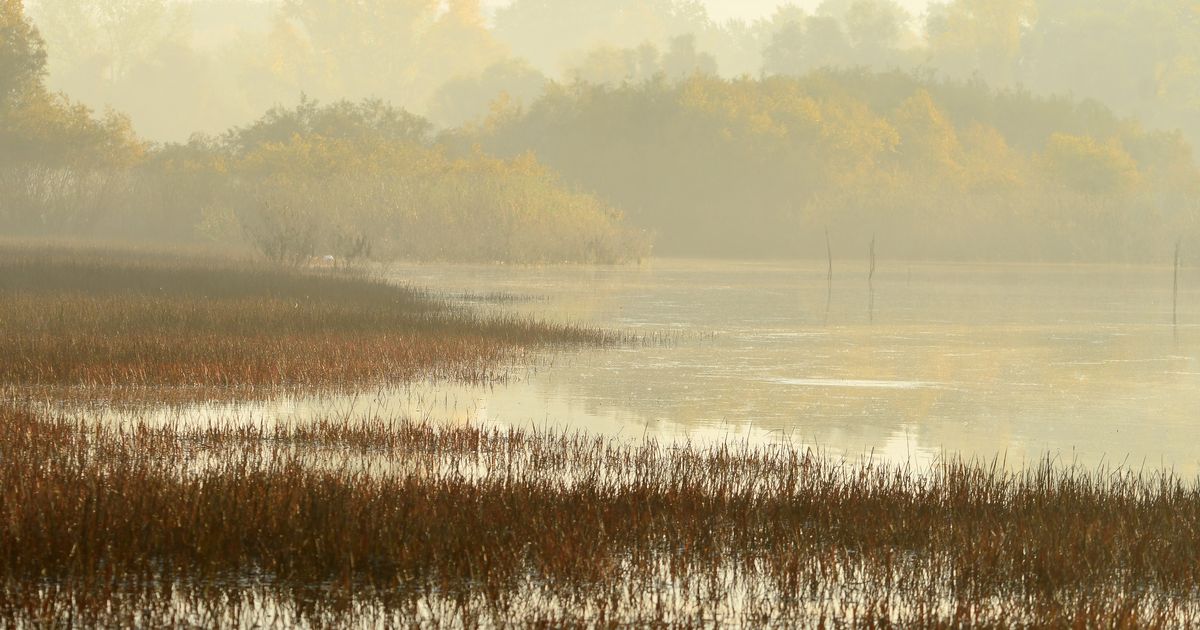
[(1021, 362)]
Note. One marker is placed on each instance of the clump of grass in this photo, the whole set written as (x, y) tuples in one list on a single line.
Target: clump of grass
[(381, 520), (94, 319)]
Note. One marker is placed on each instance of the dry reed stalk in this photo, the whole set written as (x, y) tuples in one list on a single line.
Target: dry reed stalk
[(384, 519), (121, 320)]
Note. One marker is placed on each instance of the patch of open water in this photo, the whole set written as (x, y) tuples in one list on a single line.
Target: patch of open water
[(1016, 361)]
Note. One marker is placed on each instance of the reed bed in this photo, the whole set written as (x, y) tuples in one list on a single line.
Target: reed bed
[(379, 521), (96, 320)]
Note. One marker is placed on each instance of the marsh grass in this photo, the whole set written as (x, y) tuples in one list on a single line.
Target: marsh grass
[(464, 525), (376, 520), (93, 319)]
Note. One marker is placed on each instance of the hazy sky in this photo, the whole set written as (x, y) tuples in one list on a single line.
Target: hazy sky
[(750, 9)]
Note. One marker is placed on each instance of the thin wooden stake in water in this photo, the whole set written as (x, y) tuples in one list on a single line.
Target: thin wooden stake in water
[(829, 278), (871, 284), (1175, 291)]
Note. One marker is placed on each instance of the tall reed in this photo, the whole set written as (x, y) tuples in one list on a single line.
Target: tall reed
[(103, 319), (328, 523)]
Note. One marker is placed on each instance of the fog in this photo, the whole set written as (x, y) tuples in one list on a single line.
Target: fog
[(178, 68), (338, 313), (570, 130)]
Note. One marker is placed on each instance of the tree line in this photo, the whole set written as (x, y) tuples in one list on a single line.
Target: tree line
[(632, 141), (206, 65), (349, 179), (943, 168)]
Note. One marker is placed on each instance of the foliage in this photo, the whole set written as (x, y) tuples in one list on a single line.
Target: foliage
[(350, 180), (206, 65), (22, 54), (1088, 166), (467, 99), (367, 121), (402, 199), (59, 165), (638, 120), (946, 169), (37, 126)]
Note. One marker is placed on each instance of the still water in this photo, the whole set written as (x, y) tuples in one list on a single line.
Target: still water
[(1081, 363)]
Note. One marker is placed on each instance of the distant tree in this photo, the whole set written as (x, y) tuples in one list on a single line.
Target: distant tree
[(682, 60), (1089, 166), (787, 52), (827, 43), (108, 37), (980, 36), (467, 99), (365, 122), (22, 55), (40, 128), (547, 31), (459, 43), (755, 167), (798, 47), (399, 50), (1135, 56), (877, 29), (608, 65), (785, 14), (139, 57), (611, 66), (928, 139)]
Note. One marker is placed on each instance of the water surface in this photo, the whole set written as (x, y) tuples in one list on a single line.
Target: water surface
[(1081, 363)]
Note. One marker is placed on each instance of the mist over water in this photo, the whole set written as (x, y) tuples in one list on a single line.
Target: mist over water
[(1079, 364), (562, 313), (1041, 150)]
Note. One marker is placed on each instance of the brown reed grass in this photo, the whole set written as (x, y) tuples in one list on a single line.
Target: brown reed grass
[(380, 521), (100, 319)]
